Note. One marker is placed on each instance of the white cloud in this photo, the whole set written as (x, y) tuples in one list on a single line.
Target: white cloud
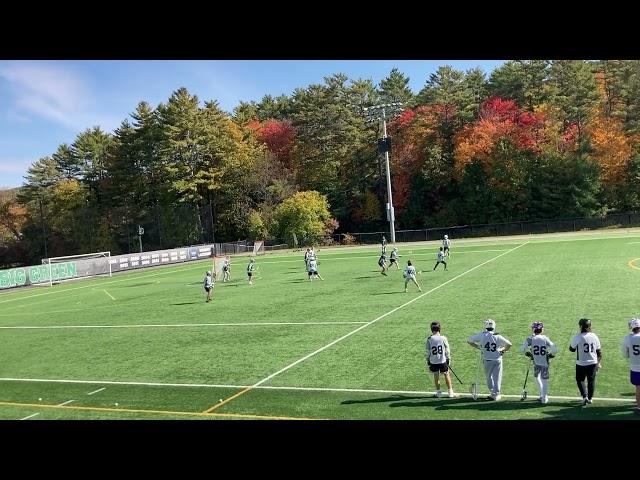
[(54, 92)]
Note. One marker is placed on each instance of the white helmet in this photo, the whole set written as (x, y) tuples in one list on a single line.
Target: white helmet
[(209, 273), (489, 324), (634, 323), (446, 236)]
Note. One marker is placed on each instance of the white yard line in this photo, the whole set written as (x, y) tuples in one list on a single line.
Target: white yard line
[(30, 416), (300, 360), (175, 325), (111, 296), (96, 391), (287, 388), (66, 403)]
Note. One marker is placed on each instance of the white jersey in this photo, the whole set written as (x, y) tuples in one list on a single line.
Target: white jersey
[(631, 350), (586, 345), (250, 267), (539, 346), (225, 266), (208, 281), (394, 254), (446, 242), (437, 347), (313, 266), (441, 256), (490, 343), (410, 272), (312, 255)]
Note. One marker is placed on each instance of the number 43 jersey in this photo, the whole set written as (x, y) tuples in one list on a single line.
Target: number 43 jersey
[(539, 346), (586, 345), (437, 349), (490, 344)]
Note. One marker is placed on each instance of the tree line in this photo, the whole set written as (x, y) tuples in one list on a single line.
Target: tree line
[(532, 139)]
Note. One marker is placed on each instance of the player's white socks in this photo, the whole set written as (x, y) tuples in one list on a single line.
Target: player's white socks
[(539, 382), (545, 387)]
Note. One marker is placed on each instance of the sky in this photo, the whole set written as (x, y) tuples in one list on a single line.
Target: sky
[(46, 103)]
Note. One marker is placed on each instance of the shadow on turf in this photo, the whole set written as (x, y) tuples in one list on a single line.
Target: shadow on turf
[(185, 303), (388, 293), (552, 410), (392, 398)]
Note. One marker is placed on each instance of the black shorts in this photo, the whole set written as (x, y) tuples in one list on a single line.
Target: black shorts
[(439, 367), (393, 260), (446, 249), (207, 289), (250, 274), (585, 371)]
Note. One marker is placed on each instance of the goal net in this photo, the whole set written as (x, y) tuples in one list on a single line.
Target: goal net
[(258, 247), (58, 269), (217, 269)]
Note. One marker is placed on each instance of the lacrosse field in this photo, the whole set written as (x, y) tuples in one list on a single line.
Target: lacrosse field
[(145, 345)]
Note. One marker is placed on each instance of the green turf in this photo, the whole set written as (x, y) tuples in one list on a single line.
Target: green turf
[(556, 280)]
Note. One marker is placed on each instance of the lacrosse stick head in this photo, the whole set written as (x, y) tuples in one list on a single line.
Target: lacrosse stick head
[(523, 396)]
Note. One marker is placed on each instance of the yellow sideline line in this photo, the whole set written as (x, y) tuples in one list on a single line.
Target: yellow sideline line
[(631, 263), (163, 412), (227, 400)]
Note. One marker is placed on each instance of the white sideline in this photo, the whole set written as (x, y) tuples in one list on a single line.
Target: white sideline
[(284, 369), (286, 388), (160, 325)]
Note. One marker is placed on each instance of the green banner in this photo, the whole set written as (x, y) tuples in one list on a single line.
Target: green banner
[(18, 277)]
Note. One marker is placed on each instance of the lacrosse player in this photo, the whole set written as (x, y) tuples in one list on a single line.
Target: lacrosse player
[(313, 270), (539, 348), (208, 285), (441, 259), (394, 258), (446, 243), (382, 261), (250, 267), (588, 357), (226, 270), (410, 275), (493, 346), (438, 356), (631, 350)]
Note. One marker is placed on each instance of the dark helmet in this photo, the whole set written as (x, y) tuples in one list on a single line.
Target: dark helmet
[(584, 323), (435, 326)]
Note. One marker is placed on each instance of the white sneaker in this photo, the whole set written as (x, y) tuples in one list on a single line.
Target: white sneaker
[(450, 394), (584, 401), (439, 394), (497, 396), (544, 400), (589, 401)]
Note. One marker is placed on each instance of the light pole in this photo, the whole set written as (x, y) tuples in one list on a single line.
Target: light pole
[(375, 114)]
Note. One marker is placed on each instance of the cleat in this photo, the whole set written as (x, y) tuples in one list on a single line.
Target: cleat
[(438, 394)]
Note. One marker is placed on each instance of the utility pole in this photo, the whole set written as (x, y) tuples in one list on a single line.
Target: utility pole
[(377, 113), (140, 233), (44, 230)]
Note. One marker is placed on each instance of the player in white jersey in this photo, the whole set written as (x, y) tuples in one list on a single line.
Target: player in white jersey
[(394, 258), (306, 256), (631, 350), (442, 259), (586, 344), (438, 356), (410, 275), (493, 346), (312, 268), (250, 268), (226, 270), (208, 285), (540, 349), (446, 243)]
